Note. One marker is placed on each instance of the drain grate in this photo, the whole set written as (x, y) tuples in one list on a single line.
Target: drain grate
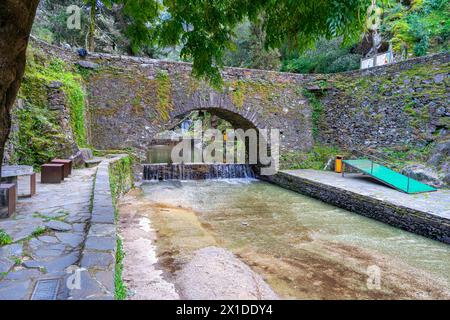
[(45, 289)]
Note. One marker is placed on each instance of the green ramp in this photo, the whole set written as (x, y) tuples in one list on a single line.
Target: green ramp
[(388, 176)]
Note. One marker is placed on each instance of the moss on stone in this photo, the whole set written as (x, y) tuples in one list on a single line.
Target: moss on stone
[(316, 112), (164, 91), (40, 136), (120, 180), (316, 158)]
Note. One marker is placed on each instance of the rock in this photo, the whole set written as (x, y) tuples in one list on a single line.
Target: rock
[(100, 260), (58, 226), (77, 159), (11, 250), (87, 64), (51, 250), (14, 290), (48, 239), (424, 174), (100, 243), (440, 156), (5, 265), (102, 230), (61, 263), (86, 153), (71, 239), (55, 84), (439, 78), (215, 274), (32, 264), (90, 288), (23, 274)]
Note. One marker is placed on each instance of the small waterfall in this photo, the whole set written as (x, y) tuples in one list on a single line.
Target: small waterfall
[(192, 171)]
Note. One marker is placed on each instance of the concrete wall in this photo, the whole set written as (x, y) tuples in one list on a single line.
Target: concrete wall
[(422, 223)]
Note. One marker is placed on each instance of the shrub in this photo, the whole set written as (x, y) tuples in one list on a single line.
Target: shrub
[(4, 238)]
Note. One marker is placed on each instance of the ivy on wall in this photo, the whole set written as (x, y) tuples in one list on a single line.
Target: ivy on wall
[(40, 136)]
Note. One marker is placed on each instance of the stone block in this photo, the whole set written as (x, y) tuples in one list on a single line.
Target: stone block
[(7, 200), (67, 166), (52, 173)]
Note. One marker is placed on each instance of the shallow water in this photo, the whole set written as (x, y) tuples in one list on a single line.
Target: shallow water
[(303, 247)]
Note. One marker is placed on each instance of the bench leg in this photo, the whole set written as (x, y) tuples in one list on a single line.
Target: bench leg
[(32, 184)]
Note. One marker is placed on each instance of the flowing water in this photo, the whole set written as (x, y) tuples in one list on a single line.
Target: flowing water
[(302, 247), (193, 171)]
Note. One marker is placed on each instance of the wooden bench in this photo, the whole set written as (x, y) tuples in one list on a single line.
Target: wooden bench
[(67, 165), (7, 200), (52, 173)]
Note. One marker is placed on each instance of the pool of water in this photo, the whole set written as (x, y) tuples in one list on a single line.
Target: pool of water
[(303, 247)]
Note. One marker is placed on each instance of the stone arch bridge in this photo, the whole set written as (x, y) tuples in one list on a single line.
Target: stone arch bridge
[(132, 99)]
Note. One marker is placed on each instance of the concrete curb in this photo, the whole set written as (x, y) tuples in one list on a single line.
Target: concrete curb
[(98, 256)]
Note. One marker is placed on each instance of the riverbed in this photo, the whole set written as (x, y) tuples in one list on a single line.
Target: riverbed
[(303, 248)]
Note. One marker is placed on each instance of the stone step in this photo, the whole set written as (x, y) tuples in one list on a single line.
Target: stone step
[(92, 162)]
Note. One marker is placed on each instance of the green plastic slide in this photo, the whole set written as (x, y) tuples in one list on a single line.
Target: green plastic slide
[(388, 176)]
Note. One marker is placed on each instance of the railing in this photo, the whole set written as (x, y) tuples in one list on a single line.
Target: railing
[(373, 159)]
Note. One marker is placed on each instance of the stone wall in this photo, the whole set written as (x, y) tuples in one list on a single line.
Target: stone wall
[(403, 103), (422, 223), (131, 99)]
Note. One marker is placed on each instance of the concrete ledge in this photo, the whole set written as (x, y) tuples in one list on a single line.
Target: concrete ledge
[(98, 256), (423, 223)]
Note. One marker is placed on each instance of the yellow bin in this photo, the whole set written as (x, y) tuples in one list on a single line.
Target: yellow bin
[(338, 164)]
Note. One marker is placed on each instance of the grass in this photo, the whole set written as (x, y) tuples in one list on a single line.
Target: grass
[(4, 238), (17, 261), (399, 157), (60, 217), (317, 111), (316, 158), (40, 137), (39, 231), (121, 289)]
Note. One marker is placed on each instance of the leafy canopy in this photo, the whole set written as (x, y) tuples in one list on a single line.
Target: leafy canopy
[(205, 28)]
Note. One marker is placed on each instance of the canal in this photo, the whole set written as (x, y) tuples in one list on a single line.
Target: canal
[(302, 247)]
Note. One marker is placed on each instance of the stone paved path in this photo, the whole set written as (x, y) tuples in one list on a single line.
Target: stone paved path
[(47, 234), (436, 203)]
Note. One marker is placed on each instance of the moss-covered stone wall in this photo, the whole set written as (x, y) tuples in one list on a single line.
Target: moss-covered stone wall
[(48, 119), (132, 99), (403, 104)]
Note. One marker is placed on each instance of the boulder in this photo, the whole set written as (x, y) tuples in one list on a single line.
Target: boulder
[(424, 174), (82, 156), (87, 64), (440, 157), (217, 274)]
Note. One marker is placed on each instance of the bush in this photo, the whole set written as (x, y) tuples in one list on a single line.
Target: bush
[(423, 28), (315, 159), (327, 57), (4, 238), (345, 63)]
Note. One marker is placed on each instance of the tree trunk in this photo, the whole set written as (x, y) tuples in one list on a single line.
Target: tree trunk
[(16, 20), (91, 39)]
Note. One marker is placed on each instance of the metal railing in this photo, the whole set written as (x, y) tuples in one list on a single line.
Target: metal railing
[(376, 159)]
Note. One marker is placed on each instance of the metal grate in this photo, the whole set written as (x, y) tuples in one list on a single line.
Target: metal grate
[(45, 289)]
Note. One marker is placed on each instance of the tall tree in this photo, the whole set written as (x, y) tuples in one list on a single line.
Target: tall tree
[(94, 6), (204, 28), (16, 20)]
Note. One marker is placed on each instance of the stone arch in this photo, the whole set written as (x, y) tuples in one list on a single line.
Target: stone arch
[(132, 101)]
